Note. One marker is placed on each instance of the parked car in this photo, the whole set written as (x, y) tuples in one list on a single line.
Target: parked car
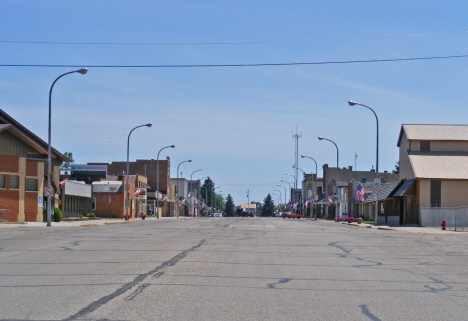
[(292, 215), (278, 214), (218, 215)]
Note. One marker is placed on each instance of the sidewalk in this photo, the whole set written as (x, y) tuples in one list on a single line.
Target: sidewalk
[(81, 223), (408, 229)]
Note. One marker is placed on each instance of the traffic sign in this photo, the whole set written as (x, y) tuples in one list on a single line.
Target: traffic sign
[(48, 191), (376, 190)]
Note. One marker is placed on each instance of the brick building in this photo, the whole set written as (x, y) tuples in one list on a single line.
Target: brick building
[(23, 166), (147, 168), (109, 196)]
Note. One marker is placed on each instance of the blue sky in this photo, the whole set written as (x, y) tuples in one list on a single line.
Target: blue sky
[(235, 123)]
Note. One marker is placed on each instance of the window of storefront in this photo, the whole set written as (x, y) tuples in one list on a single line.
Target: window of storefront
[(31, 185), (2, 181), (14, 182)]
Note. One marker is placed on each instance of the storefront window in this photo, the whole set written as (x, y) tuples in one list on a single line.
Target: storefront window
[(2, 181), (14, 182), (31, 184)]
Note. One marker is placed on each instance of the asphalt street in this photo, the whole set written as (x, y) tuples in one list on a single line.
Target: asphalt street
[(231, 269)]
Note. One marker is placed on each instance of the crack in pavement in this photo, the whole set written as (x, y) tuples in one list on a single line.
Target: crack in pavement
[(346, 251), (66, 248), (272, 285), (124, 288), (434, 290), (136, 292)]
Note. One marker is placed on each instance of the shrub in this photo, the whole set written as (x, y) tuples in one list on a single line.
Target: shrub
[(338, 219), (57, 215), (90, 215), (349, 219), (80, 216)]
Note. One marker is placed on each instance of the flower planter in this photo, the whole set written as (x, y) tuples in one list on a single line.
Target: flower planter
[(359, 220)]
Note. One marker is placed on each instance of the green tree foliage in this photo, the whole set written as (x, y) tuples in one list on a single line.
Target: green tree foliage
[(268, 206), (230, 207), (397, 168), (66, 166), (206, 191), (220, 203)]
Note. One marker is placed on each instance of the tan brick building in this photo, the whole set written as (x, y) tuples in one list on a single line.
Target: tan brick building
[(23, 166)]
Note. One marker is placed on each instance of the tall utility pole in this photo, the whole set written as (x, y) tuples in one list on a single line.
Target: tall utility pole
[(296, 155)]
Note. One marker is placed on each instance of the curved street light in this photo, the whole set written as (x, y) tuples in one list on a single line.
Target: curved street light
[(316, 175), (284, 192), (279, 194), (49, 144), (290, 188), (352, 103), (295, 179), (337, 169), (127, 184), (157, 175), (177, 190)]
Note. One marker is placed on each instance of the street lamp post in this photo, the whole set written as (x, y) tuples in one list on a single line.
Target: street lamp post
[(277, 197), (191, 183), (284, 192), (177, 190), (127, 184), (352, 103), (295, 180), (279, 194), (157, 175), (49, 144), (337, 169), (199, 193), (316, 174), (302, 200), (290, 188)]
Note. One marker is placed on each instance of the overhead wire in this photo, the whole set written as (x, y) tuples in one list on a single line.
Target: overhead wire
[(237, 65)]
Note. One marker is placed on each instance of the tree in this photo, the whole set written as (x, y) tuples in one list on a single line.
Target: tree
[(268, 206), (230, 207), (206, 190), (397, 168), (66, 166)]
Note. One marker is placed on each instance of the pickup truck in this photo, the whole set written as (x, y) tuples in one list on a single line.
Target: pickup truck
[(291, 215)]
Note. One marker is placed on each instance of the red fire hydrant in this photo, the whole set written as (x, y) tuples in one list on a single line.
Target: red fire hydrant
[(443, 224)]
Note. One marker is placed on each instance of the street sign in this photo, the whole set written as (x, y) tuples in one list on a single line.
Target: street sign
[(376, 190), (377, 182), (48, 191)]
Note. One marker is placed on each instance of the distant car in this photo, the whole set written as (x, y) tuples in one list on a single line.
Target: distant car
[(218, 215), (278, 214), (246, 213), (292, 215)]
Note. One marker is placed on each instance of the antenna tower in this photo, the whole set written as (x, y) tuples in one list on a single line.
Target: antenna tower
[(296, 156)]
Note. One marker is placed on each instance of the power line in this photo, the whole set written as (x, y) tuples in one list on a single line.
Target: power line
[(224, 43), (239, 65)]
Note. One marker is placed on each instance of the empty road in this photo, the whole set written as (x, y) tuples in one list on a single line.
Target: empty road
[(231, 269)]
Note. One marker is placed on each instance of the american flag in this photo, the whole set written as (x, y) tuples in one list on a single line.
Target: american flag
[(63, 182), (295, 205), (359, 195), (329, 199), (306, 202), (165, 198)]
